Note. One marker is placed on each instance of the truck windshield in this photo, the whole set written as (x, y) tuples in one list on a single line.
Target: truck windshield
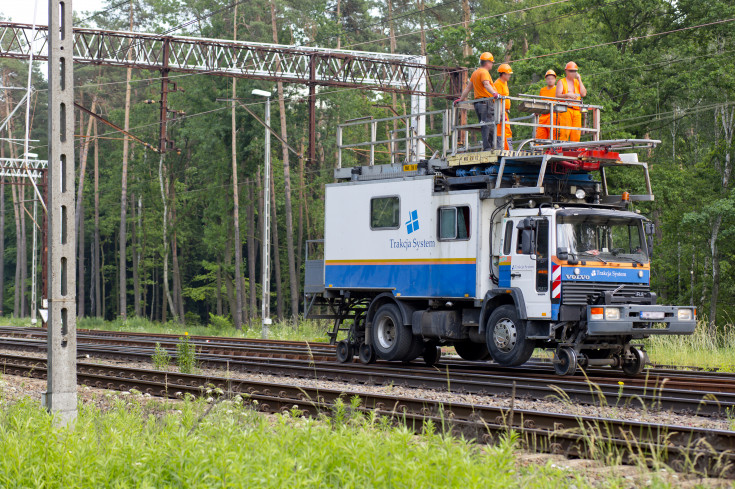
[(602, 237)]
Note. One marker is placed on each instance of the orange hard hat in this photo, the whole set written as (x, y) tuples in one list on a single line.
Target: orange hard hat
[(487, 57), (550, 72), (505, 68), (571, 66)]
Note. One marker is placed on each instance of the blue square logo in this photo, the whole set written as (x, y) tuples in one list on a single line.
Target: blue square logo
[(413, 222)]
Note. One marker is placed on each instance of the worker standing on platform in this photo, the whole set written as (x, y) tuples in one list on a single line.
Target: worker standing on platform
[(571, 87), (546, 119), (482, 85), (501, 85)]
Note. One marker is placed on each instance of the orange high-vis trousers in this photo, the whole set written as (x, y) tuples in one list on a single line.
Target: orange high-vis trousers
[(570, 118), (543, 132), (508, 132)]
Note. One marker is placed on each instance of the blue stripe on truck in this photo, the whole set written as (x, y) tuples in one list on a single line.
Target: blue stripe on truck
[(408, 280)]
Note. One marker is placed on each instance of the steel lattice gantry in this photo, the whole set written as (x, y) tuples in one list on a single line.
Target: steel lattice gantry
[(275, 62)]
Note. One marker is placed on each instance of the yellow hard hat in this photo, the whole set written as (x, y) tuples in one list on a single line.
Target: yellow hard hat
[(571, 66), (487, 57), (505, 68), (550, 72)]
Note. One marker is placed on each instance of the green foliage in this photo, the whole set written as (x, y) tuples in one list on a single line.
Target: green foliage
[(220, 325), (161, 359), (186, 355), (144, 445)]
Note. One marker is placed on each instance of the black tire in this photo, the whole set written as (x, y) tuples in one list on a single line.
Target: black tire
[(391, 339), (417, 349), (366, 353), (344, 352), (472, 351), (505, 335)]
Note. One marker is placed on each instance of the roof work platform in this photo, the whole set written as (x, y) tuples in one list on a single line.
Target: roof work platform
[(388, 148)]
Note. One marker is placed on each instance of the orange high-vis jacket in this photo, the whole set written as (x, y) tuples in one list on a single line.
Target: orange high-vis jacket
[(565, 89), (546, 92), (479, 76), (502, 89)]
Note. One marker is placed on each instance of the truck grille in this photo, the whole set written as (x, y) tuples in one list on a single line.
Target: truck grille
[(578, 293)]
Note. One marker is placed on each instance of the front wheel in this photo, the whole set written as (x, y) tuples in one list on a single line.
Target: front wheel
[(505, 335)]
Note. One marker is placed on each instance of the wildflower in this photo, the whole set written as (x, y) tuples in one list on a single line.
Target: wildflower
[(620, 382), (186, 333)]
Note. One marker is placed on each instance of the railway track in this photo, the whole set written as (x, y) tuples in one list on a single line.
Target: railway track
[(710, 452), (686, 393)]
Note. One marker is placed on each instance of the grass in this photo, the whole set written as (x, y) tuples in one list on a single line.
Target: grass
[(700, 349), (185, 445), (186, 355), (160, 358)]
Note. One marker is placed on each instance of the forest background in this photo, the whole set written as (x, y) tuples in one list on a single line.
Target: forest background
[(662, 70)]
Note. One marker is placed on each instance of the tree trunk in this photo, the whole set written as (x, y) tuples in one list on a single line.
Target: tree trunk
[(712, 326), (276, 247), (80, 264), (18, 248), (137, 237), (252, 251), (79, 215), (228, 283), (97, 279), (292, 272), (178, 295), (2, 239), (124, 191), (466, 16), (168, 300), (218, 290), (24, 252), (237, 311)]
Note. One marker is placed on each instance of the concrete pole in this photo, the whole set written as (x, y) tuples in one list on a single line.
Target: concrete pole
[(61, 394), (266, 282)]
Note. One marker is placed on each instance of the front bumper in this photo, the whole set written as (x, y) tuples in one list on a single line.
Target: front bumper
[(635, 320)]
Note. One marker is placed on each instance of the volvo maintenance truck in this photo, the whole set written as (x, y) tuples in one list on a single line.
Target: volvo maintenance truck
[(495, 253)]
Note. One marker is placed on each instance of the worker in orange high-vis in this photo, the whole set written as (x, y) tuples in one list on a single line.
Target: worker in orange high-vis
[(571, 87), (501, 85), (481, 83), (545, 119)]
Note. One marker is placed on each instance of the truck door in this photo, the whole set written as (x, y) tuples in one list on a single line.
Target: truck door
[(530, 271)]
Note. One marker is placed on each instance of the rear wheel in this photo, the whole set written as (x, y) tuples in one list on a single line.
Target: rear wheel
[(506, 338), (472, 351), (391, 339)]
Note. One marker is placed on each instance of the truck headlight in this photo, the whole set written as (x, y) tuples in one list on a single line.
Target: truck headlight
[(684, 314), (612, 313)]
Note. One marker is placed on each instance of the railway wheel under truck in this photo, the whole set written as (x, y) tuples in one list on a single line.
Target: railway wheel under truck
[(506, 337)]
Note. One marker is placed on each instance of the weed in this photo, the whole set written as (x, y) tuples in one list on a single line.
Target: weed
[(161, 359), (186, 355)]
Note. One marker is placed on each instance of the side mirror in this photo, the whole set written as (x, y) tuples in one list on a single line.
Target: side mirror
[(649, 228), (562, 253), (527, 241)]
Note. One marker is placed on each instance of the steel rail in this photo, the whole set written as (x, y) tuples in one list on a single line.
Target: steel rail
[(650, 394), (707, 451)]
